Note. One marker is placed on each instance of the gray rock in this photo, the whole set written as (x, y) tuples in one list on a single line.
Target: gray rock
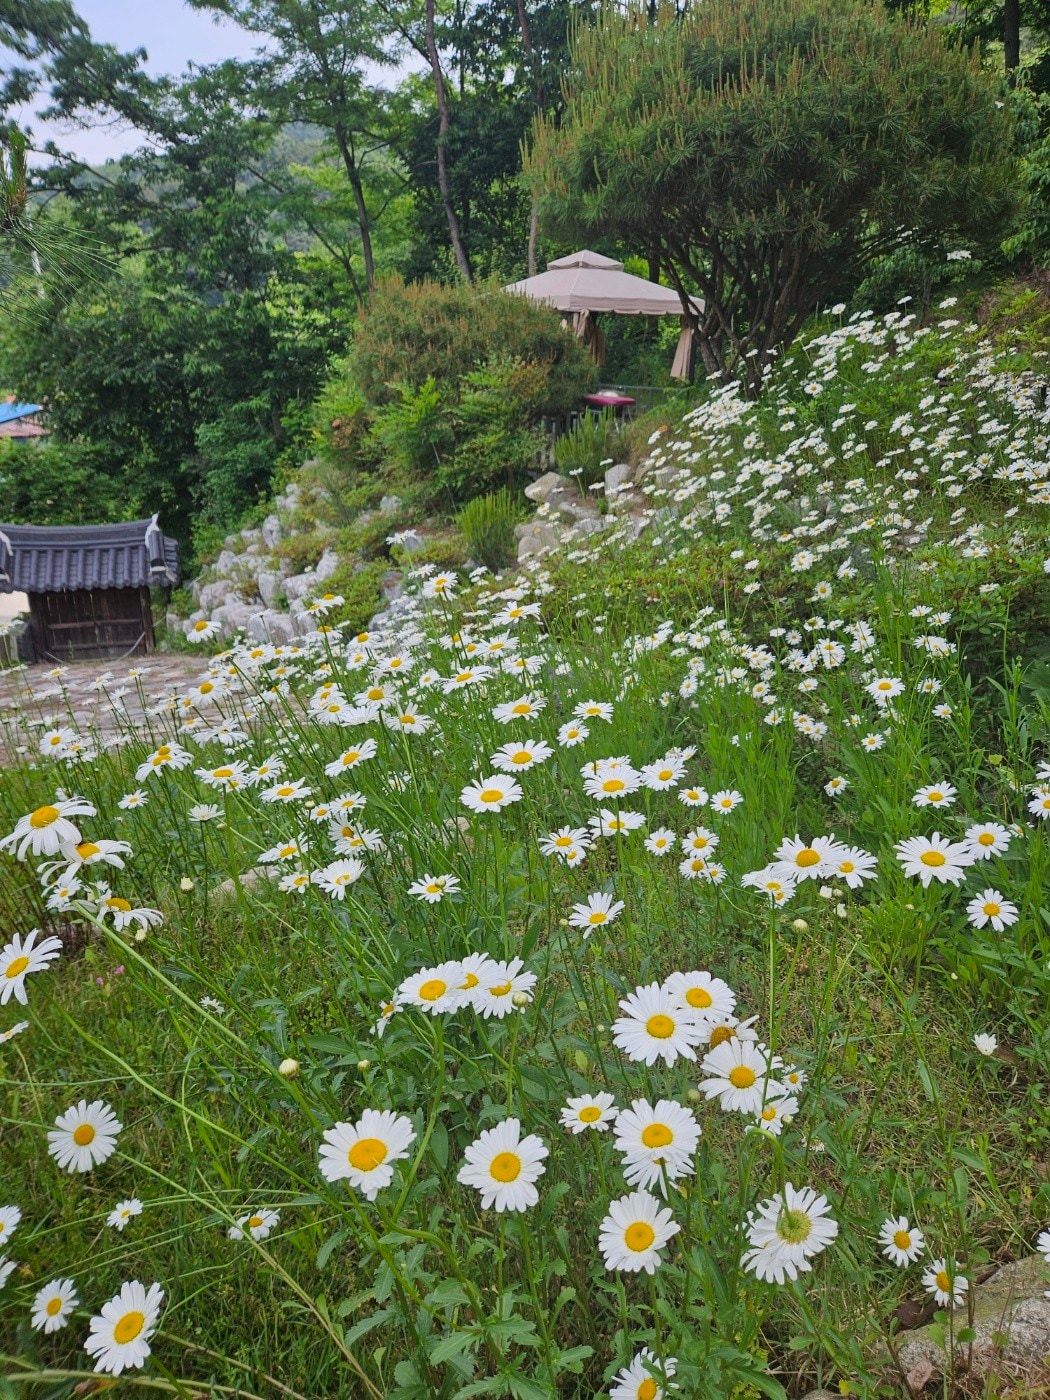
[(591, 525), (255, 549), (195, 590), (326, 565), (389, 505), (575, 508), (212, 595), (271, 530), (271, 626), (225, 561), (537, 538), (1011, 1320), (268, 584), (392, 586), (616, 478), (173, 622), (548, 485), (233, 617), (251, 536), (297, 586)]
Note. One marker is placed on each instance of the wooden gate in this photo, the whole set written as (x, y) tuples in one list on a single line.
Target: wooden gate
[(90, 625)]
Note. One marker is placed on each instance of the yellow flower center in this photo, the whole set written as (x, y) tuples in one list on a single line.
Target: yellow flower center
[(201, 626), (522, 756), (115, 902), (500, 989), (769, 1113), (350, 757), (657, 1135), (699, 997), (17, 967), (597, 916), (128, 1327), (470, 981), (648, 1390), (222, 773), (934, 858), (944, 1283), (54, 1306), (563, 841), (254, 1221), (639, 1236), (490, 795), (720, 1035), (794, 1226), (285, 791), (590, 1114), (613, 785), (522, 710), (665, 774), (807, 857), (435, 887), (433, 989), (206, 687), (376, 693), (84, 1135), (741, 1077), (660, 1027), (367, 1154), (846, 867), (44, 816), (86, 849), (992, 909), (902, 1239), (505, 1166), (986, 839)]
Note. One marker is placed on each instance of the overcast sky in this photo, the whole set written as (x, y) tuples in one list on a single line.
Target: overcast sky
[(171, 33)]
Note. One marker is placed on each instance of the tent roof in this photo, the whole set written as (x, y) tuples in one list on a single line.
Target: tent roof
[(586, 281), (58, 558)]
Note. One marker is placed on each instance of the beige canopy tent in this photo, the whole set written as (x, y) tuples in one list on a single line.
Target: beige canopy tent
[(585, 284)]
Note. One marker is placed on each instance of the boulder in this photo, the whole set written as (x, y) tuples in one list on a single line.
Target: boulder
[(575, 508), (268, 584), (389, 505), (225, 561), (233, 617), (271, 530), (297, 586), (213, 595), (548, 485), (251, 536), (392, 586), (1011, 1320), (326, 565), (536, 538), (271, 626), (617, 478)]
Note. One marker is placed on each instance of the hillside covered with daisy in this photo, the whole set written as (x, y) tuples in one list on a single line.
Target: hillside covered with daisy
[(626, 976)]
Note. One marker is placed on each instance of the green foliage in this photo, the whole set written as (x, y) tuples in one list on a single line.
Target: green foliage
[(446, 388), (488, 524), (767, 150), (358, 585), (59, 483), (1030, 236), (591, 446)]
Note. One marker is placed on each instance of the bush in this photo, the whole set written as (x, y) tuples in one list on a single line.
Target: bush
[(593, 441), (61, 483), (488, 528), (448, 387)]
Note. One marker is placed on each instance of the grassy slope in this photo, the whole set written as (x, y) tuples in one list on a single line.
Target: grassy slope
[(879, 1004)]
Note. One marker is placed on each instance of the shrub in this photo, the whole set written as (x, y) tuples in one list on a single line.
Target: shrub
[(488, 528), (449, 388), (595, 439)]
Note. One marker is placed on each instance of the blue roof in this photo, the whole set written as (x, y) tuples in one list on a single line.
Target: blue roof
[(10, 411)]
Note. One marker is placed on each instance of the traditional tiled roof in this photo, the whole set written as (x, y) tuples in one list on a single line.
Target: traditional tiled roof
[(57, 558)]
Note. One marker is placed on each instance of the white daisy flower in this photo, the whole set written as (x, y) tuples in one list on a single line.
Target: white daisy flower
[(119, 1338), (364, 1152), (504, 1167), (84, 1136)]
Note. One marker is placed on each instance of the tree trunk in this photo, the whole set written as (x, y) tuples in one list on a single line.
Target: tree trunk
[(363, 221), (1012, 36), (443, 124)]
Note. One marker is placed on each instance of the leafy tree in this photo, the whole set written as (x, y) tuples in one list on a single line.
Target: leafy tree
[(769, 150)]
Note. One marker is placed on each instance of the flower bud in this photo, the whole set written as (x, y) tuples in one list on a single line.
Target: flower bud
[(522, 999), (799, 925), (185, 884), (362, 1065), (288, 1068)]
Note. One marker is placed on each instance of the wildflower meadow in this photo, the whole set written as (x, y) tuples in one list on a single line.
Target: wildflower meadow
[(625, 976)]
